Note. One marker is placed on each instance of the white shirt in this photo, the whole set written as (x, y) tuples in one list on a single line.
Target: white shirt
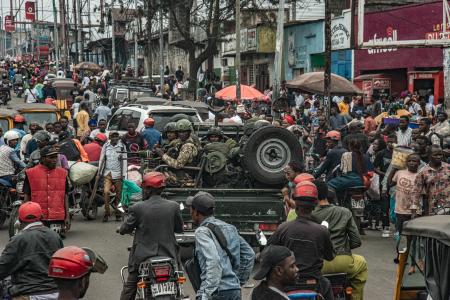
[(29, 95), (75, 108), (23, 143), (404, 137), (85, 81), (299, 100)]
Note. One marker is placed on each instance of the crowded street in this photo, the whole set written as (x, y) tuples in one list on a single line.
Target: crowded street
[(225, 150)]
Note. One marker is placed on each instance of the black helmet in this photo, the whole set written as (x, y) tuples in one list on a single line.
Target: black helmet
[(170, 127)]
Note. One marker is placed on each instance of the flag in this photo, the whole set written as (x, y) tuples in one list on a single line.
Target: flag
[(30, 11), (9, 24)]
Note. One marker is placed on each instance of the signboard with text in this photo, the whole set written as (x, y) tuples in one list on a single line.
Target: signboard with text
[(340, 31), (30, 12), (9, 24)]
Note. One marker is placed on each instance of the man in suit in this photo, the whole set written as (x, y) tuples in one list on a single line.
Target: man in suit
[(154, 220)]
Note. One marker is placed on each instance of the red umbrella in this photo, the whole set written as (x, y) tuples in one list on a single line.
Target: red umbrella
[(247, 93)]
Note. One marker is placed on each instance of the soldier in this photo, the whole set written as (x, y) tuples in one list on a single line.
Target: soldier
[(170, 136), (186, 155)]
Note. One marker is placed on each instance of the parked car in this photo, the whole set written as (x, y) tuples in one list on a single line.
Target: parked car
[(137, 113), (120, 93)]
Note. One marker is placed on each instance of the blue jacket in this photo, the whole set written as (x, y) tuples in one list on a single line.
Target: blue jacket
[(217, 272), (152, 136)]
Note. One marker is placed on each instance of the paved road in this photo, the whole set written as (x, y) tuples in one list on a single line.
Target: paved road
[(102, 238)]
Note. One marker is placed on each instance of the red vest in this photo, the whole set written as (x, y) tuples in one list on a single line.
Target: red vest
[(48, 188)]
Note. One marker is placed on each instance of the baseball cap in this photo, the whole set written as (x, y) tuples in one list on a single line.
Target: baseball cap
[(202, 201), (271, 256), (48, 150)]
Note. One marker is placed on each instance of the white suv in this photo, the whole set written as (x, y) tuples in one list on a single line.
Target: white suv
[(138, 113)]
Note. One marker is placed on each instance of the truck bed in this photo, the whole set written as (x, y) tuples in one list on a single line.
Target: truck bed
[(250, 210)]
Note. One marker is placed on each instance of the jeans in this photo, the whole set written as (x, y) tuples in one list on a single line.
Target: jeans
[(129, 287), (108, 182), (225, 295)]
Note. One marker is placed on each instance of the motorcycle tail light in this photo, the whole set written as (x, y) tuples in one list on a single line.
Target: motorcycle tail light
[(162, 273), (141, 284), (268, 227), (181, 280), (349, 290)]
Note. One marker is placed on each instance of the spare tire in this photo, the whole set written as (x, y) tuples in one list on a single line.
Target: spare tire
[(268, 151)]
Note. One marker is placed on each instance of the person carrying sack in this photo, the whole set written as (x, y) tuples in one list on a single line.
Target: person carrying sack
[(222, 260)]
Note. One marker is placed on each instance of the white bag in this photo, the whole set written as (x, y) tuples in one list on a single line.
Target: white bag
[(374, 189), (81, 173)]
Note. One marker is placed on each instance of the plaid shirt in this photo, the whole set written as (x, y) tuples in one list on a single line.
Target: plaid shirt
[(434, 186)]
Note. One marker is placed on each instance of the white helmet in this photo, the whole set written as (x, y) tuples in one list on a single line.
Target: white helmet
[(11, 135)]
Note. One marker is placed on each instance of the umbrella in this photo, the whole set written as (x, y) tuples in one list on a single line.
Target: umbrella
[(88, 66), (313, 83), (247, 93)]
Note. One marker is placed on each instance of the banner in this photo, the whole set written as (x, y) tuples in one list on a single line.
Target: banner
[(30, 11), (9, 24)]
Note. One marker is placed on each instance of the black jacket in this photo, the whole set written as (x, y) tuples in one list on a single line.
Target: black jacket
[(263, 292), (332, 159), (26, 258), (155, 221), (310, 242)]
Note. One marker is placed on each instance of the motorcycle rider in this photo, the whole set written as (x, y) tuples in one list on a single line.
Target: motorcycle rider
[(345, 237), (8, 157), (5, 87), (154, 221), (47, 185), (334, 154), (309, 241), (27, 255), (71, 268)]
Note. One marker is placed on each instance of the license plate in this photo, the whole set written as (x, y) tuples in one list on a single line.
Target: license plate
[(358, 203), (166, 288)]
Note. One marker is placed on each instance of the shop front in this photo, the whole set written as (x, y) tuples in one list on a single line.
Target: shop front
[(412, 69), (422, 83)]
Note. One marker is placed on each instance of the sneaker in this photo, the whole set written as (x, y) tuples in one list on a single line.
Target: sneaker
[(385, 232)]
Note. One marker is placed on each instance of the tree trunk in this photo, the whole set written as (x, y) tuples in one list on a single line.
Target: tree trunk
[(149, 39), (194, 65)]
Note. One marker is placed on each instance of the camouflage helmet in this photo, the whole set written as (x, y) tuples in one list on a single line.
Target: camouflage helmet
[(170, 127), (184, 125), (214, 131)]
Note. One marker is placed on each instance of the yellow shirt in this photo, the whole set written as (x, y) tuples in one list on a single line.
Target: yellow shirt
[(344, 108), (82, 122)]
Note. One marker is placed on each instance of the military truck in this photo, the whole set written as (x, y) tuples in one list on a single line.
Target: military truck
[(250, 197)]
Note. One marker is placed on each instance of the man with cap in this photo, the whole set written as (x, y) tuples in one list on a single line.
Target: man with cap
[(334, 154), (27, 255), (71, 268), (47, 185), (151, 134), (345, 237), (309, 241), (154, 222), (280, 271), (221, 275)]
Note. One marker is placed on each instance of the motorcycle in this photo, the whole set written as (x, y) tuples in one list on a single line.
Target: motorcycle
[(8, 195), (18, 89), (308, 288), (5, 94)]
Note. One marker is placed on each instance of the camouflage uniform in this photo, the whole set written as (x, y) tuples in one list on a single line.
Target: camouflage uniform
[(188, 152)]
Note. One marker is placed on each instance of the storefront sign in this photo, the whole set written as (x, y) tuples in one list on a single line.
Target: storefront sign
[(340, 32), (422, 76), (29, 11), (412, 22), (367, 89), (9, 24), (381, 83)]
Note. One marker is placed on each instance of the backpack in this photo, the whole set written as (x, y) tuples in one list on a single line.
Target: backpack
[(192, 265), (70, 150)]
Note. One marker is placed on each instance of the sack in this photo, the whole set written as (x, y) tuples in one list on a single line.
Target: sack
[(192, 265), (82, 173), (374, 189), (70, 150)]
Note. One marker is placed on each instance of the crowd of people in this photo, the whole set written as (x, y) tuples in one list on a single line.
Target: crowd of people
[(355, 147)]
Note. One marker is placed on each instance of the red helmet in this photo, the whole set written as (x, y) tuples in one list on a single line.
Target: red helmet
[(306, 192), (303, 177), (30, 212), (149, 122), (19, 119), (70, 263), (154, 180), (334, 135), (101, 137)]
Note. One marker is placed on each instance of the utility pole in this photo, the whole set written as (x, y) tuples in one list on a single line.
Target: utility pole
[(36, 25), (327, 72), (62, 17), (278, 52), (74, 7), (135, 40), (161, 48), (149, 39), (113, 40), (80, 32), (237, 62), (55, 34)]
